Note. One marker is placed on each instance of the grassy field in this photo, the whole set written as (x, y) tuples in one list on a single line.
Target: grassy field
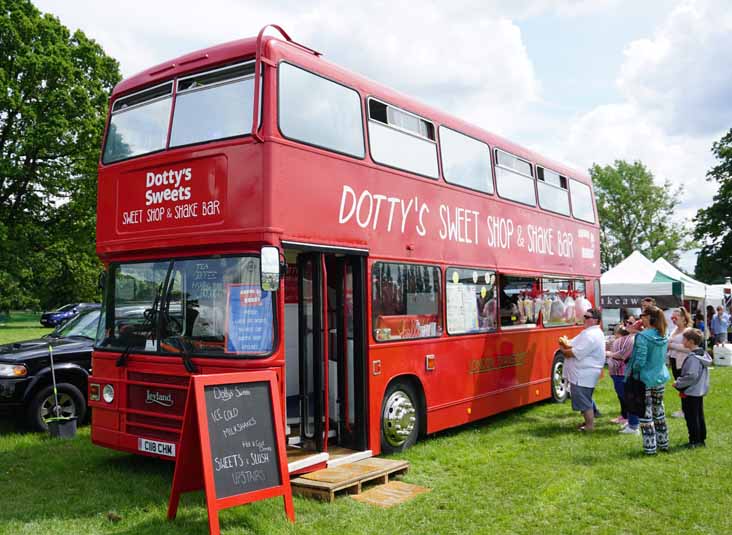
[(21, 326), (526, 471)]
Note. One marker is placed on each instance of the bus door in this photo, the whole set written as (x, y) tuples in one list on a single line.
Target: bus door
[(328, 372)]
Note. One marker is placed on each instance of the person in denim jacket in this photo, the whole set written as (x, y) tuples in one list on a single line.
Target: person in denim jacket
[(648, 363)]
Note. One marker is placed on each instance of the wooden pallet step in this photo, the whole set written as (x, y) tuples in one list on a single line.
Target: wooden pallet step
[(324, 484)]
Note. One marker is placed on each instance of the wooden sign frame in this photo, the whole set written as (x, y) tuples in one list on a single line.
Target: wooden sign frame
[(193, 468)]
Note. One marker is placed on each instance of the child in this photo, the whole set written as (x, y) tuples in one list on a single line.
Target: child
[(693, 385)]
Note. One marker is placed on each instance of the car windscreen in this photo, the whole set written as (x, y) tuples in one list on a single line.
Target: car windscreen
[(85, 324), (198, 307)]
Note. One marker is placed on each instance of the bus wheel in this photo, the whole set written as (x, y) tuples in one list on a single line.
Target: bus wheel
[(560, 387), (399, 417)]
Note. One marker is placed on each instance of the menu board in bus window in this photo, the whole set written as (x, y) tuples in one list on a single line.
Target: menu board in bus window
[(249, 319)]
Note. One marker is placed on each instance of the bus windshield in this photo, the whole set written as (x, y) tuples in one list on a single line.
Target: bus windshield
[(198, 307)]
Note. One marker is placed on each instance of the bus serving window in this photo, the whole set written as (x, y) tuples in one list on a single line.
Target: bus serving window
[(581, 201), (213, 105), (319, 112), (405, 301), (465, 161), (471, 300), (564, 301), (514, 179), (210, 306), (552, 189), (520, 301), (139, 124), (402, 140)]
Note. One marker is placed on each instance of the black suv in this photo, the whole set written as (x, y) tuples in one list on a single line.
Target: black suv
[(26, 388)]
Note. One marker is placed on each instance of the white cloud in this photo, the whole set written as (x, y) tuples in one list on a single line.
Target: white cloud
[(681, 74)]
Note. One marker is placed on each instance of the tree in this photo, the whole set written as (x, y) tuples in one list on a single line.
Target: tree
[(54, 89), (635, 214), (714, 223)]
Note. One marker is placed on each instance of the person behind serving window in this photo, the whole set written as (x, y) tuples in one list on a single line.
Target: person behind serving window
[(648, 364), (584, 360)]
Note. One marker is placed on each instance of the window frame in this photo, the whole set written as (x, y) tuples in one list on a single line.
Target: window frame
[(526, 326), (592, 201), (177, 81), (369, 98), (112, 113), (490, 162), (495, 274), (512, 170), (306, 143), (538, 195), (440, 316), (162, 299)]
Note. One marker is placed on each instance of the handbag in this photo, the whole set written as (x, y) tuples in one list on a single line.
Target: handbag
[(635, 396)]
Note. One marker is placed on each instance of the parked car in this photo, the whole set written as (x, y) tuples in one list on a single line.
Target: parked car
[(26, 388), (58, 317)]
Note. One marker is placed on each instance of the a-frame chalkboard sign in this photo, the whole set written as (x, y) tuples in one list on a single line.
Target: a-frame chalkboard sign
[(232, 443)]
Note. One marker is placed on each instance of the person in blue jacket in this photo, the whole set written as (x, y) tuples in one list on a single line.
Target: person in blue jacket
[(648, 363)]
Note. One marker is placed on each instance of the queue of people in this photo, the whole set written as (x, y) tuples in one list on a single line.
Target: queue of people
[(640, 351)]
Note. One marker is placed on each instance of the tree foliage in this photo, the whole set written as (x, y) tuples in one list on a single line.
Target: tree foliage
[(54, 88), (714, 223), (635, 214)]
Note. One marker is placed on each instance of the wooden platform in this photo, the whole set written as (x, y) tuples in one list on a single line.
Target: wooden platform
[(324, 484)]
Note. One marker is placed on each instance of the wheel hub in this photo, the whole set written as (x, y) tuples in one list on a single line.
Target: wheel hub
[(559, 383), (66, 404), (399, 418)]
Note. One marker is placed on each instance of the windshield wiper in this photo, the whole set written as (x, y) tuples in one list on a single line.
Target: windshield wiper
[(146, 325)]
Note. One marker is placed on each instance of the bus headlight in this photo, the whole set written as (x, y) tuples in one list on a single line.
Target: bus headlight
[(13, 370), (108, 393)]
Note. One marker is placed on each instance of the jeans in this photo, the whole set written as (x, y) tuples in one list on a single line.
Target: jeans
[(693, 407), (619, 384)]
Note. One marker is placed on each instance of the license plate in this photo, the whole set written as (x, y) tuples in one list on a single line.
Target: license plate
[(153, 446)]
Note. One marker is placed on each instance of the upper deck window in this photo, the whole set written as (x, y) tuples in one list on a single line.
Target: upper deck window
[(139, 123), (319, 112), (514, 178), (552, 189), (581, 201), (465, 161), (213, 105), (401, 139)]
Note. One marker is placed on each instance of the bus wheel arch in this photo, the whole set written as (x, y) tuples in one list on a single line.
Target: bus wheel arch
[(560, 385), (403, 417)]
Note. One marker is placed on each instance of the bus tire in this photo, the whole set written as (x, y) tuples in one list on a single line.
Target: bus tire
[(399, 417), (560, 386), (40, 408)]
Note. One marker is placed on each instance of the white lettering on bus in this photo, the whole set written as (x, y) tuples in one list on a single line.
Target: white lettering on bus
[(173, 191), (463, 228), (500, 230)]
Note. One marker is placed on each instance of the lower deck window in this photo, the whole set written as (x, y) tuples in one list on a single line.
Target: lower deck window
[(520, 300), (564, 302), (471, 301), (405, 301)]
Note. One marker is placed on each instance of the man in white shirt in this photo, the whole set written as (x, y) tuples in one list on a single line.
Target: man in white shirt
[(584, 358)]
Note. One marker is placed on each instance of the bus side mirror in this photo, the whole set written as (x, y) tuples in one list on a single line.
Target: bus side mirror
[(102, 280), (270, 269)]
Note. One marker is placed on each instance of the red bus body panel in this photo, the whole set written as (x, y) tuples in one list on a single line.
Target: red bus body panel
[(283, 191)]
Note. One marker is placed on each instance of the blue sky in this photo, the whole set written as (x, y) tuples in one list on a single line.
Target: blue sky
[(584, 81)]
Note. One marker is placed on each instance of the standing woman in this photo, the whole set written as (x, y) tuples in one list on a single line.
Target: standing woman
[(648, 364), (619, 353), (676, 350)]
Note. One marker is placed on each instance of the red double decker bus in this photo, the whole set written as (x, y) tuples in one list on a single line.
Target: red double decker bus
[(401, 270)]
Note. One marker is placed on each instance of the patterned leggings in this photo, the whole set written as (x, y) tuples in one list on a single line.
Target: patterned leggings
[(653, 422)]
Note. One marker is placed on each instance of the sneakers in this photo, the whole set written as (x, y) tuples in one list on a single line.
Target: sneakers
[(627, 430), (677, 414)]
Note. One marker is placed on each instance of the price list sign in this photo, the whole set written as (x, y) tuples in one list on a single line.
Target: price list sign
[(232, 443), (249, 319)]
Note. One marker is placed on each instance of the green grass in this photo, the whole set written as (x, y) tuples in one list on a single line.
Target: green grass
[(526, 471), (21, 326)]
